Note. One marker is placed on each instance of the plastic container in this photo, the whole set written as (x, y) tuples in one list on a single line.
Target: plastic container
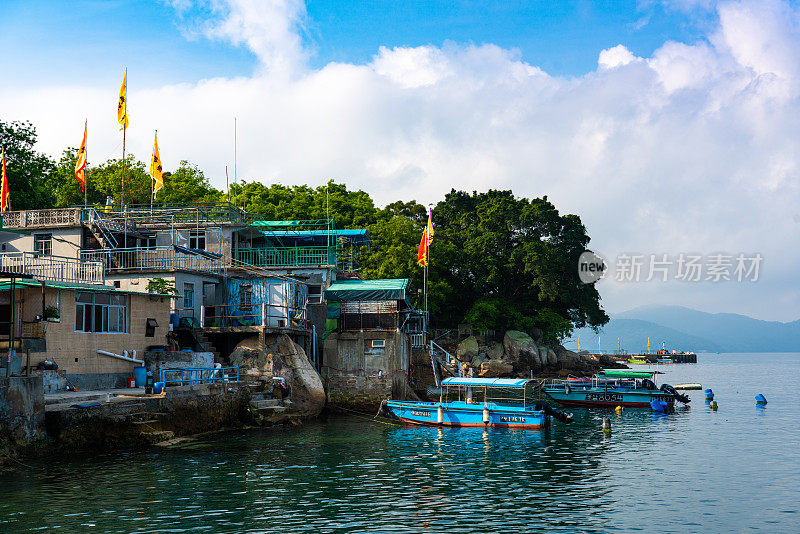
[(709, 394), (140, 375), (131, 382), (158, 387), (761, 399)]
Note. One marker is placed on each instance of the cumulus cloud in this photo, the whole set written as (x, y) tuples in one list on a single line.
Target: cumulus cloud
[(693, 149)]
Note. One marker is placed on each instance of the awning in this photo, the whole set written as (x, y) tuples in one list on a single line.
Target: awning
[(384, 289), (486, 382), (627, 373), (198, 252), (5, 286)]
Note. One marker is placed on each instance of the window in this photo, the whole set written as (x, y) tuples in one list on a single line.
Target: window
[(188, 295), (100, 312), (314, 294), (197, 239), (148, 242), (43, 243), (246, 297)]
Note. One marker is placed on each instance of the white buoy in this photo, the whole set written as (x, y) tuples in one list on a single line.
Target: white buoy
[(606, 425), (486, 416), (439, 415)]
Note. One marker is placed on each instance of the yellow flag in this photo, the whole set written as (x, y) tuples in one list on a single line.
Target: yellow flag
[(579, 342), (155, 167), (122, 105), (80, 164)]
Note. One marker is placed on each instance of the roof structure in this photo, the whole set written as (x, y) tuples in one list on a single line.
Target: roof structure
[(516, 383), (384, 289), (4, 286), (627, 373)]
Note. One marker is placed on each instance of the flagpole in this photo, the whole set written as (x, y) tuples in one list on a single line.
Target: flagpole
[(124, 130), (85, 170), (152, 183)]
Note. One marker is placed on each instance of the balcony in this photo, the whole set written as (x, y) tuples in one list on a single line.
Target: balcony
[(53, 268), (288, 256), (152, 259), (42, 218)]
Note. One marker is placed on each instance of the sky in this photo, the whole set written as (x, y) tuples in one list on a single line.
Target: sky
[(671, 127)]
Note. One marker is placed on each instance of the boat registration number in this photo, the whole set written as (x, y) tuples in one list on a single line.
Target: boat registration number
[(419, 413), (665, 398), (512, 419), (613, 397)]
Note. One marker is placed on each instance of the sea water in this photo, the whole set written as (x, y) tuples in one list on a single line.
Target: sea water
[(732, 470)]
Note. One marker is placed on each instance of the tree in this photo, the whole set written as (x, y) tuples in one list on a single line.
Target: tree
[(28, 171), (187, 184)]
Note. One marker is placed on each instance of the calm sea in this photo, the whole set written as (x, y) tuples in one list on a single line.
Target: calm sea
[(734, 470)]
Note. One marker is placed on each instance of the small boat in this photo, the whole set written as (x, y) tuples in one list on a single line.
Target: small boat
[(612, 388), (483, 403), (637, 361), (688, 386)]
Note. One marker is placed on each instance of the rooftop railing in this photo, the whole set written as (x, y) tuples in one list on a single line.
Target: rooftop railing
[(152, 259), (288, 256), (54, 268)]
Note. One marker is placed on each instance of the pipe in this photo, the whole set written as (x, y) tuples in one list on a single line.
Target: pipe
[(126, 358)]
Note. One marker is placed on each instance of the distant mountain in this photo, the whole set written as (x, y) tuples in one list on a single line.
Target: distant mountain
[(687, 329)]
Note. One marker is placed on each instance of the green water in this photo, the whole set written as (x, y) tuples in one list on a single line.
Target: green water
[(734, 470)]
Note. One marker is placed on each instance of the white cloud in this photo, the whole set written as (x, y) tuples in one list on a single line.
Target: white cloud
[(693, 149)]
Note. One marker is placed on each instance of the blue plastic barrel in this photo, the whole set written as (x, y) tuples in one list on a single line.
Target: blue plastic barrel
[(140, 375), (761, 399), (158, 387), (709, 394), (659, 406)]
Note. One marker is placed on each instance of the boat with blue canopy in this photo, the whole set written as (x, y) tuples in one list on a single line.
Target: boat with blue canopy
[(483, 403), (613, 387)]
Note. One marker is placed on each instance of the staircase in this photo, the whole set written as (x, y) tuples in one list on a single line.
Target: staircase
[(205, 343), (440, 359)]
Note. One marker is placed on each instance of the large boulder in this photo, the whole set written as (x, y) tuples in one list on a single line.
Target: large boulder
[(552, 358), (496, 368), (521, 348), (282, 357), (495, 351), (467, 349)]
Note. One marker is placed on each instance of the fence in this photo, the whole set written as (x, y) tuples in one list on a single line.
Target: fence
[(156, 258), (287, 256), (198, 375), (276, 315), (55, 268)]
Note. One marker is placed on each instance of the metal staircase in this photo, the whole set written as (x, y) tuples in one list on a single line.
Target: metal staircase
[(440, 359)]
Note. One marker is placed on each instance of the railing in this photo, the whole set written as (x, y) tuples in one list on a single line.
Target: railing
[(437, 361), (288, 256), (198, 375), (157, 258), (275, 315), (55, 268), (40, 218), (192, 213)]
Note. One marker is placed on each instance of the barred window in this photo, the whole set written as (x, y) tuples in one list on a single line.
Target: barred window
[(246, 297), (101, 312)]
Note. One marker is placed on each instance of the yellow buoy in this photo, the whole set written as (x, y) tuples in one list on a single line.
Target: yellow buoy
[(618, 409)]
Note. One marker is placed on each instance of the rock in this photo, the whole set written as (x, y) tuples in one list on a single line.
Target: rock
[(496, 368), (286, 359), (495, 351), (552, 359), (537, 334), (543, 355), (519, 347), (467, 349), (479, 359)]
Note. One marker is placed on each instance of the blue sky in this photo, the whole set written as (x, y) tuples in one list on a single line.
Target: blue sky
[(92, 39), (670, 126)]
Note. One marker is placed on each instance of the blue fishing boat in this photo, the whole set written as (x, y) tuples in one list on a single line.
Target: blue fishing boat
[(483, 403), (612, 388)]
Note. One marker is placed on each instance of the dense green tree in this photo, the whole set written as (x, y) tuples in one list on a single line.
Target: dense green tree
[(187, 184), (28, 171)]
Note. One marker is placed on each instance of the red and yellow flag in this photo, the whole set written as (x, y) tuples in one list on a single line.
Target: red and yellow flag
[(122, 104), (425, 242), (80, 165), (5, 194), (155, 167)]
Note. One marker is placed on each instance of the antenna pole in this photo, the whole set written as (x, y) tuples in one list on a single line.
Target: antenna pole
[(235, 153)]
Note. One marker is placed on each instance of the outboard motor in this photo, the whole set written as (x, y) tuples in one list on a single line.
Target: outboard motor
[(556, 414), (666, 388)]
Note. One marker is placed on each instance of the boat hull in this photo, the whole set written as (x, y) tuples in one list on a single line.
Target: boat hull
[(461, 414), (608, 398)]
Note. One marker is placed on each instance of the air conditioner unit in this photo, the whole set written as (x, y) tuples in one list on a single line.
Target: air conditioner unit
[(378, 343)]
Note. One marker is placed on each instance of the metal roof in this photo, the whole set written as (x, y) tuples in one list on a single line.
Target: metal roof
[(77, 287), (487, 382), (383, 289), (628, 373)]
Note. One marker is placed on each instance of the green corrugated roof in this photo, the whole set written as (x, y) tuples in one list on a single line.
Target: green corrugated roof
[(74, 286), (276, 223), (384, 289), (626, 373)]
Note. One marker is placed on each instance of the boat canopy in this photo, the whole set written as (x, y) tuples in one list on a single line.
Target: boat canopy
[(627, 373), (486, 382)]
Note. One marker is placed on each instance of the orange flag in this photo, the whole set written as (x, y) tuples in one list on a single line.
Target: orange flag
[(80, 165), (5, 194), (425, 242)]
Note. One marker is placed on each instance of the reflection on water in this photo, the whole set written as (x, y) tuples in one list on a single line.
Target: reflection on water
[(689, 471)]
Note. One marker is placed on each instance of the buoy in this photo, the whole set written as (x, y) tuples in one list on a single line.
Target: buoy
[(440, 415), (713, 405), (606, 425), (709, 394), (486, 416), (618, 409), (548, 449), (761, 399), (659, 406)]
